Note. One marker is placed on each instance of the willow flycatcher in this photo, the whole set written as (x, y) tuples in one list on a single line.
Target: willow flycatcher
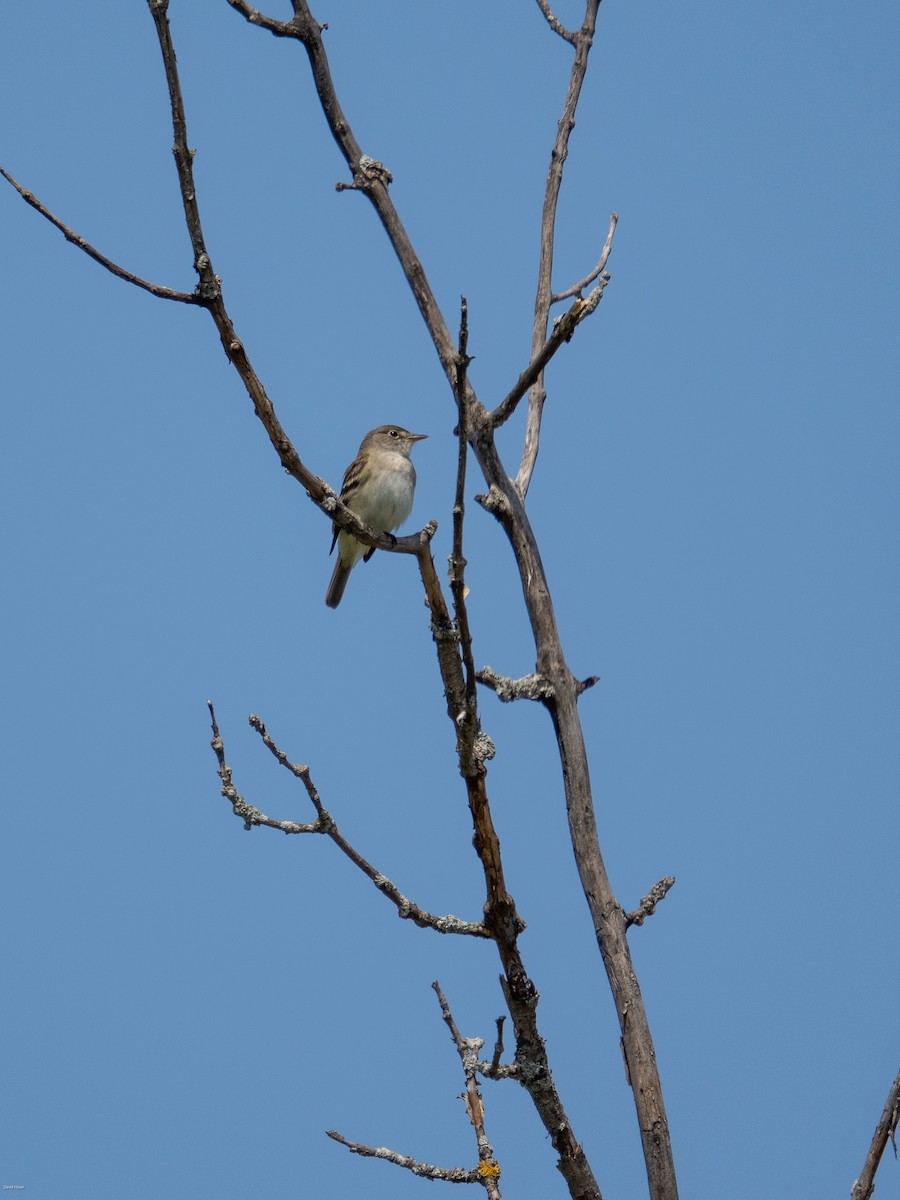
[(378, 486)]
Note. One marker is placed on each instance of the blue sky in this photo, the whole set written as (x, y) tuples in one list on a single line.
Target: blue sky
[(187, 1006)]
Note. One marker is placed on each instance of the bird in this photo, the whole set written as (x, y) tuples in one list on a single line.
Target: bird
[(378, 487)]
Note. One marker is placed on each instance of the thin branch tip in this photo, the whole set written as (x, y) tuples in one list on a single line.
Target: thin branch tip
[(425, 1170), (324, 824), (155, 289), (596, 273)]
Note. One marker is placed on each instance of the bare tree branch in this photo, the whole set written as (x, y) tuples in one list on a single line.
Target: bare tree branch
[(324, 824), (467, 718), (577, 288), (506, 502), (447, 1174), (555, 25), (583, 41), (76, 239), (467, 1048), (372, 183), (500, 914), (563, 328), (885, 1129)]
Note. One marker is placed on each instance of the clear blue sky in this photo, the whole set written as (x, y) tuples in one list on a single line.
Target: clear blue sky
[(187, 1007)]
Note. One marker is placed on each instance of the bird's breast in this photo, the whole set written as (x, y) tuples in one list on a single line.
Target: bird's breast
[(391, 501)]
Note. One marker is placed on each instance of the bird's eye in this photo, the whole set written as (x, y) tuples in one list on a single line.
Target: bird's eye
[(393, 433)]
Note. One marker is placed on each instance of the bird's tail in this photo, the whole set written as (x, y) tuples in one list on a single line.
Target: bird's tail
[(339, 578)]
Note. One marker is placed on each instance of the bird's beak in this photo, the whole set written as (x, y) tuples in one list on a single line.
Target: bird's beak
[(417, 437)]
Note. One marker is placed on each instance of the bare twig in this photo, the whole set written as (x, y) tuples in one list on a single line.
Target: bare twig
[(209, 285), (495, 1069), (425, 1170), (648, 905), (467, 1048), (563, 328), (885, 1129), (498, 1046), (249, 815), (583, 42), (555, 25), (577, 288), (324, 824), (76, 239), (467, 718)]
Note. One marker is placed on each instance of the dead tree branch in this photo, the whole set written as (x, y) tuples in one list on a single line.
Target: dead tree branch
[(76, 239), (372, 183), (467, 718), (885, 1129), (583, 41), (467, 1049), (325, 824), (563, 328), (500, 914), (506, 502), (425, 1170), (577, 288), (555, 25)]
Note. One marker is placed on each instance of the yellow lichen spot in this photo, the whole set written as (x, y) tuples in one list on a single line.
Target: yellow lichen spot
[(489, 1168)]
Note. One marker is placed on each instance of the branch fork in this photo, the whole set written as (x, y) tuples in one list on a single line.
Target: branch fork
[(325, 824)]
